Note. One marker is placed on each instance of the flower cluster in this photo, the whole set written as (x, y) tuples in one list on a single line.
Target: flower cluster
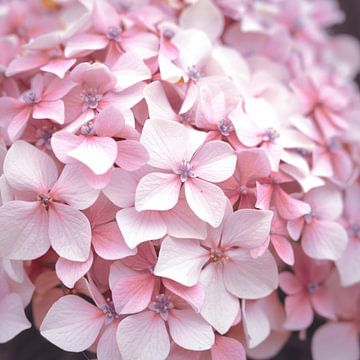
[(179, 178)]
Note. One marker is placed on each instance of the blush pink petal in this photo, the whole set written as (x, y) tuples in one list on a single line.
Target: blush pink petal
[(53, 110), (247, 228), (107, 347), (220, 308), (226, 348), (24, 230), (166, 142), (110, 121), (283, 248), (109, 243), (206, 200), (324, 304), (69, 232), (72, 323), (26, 63), (69, 272), (289, 283), (80, 43), (215, 161), (28, 168), (143, 337), (12, 317), (137, 227), (324, 240), (349, 263), (62, 143), (157, 191), (131, 155), (98, 153), (299, 313), (181, 260), (249, 278), (58, 67), (334, 341), (190, 330)]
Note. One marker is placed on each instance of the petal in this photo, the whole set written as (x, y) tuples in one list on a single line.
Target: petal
[(107, 347), (227, 348), (324, 240), (62, 143), (24, 230), (98, 153), (109, 243), (129, 70), (249, 278), (72, 323), (138, 227), (69, 232), (72, 188), (334, 341), (299, 313), (143, 337), (206, 200), (289, 283), (69, 272), (157, 191), (190, 331), (283, 248), (82, 42), (12, 317), (166, 142), (247, 228), (220, 307), (181, 260), (214, 161), (131, 155), (110, 121), (28, 168), (53, 110), (131, 290), (349, 264), (25, 63), (58, 67)]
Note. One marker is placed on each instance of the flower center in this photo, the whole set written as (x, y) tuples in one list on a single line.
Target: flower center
[(313, 287), (29, 97), (45, 200), (334, 145), (161, 305), (270, 135), (217, 256), (194, 73), (91, 98), (113, 33), (43, 137), (184, 170), (87, 128), (225, 127), (168, 34), (354, 231), (308, 217), (109, 311)]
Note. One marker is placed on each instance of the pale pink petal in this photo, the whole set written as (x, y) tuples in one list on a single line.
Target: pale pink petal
[(62, 143), (256, 324), (110, 121), (206, 200), (12, 317), (26, 63), (166, 142), (283, 248), (58, 67), (247, 228), (28, 168), (220, 307), (72, 188), (107, 347), (24, 230), (69, 272), (249, 278), (178, 353), (289, 283), (131, 290), (157, 191), (349, 264), (334, 341), (181, 260), (82, 42), (299, 313), (324, 240), (264, 193), (131, 155), (215, 161), (129, 70), (189, 330), (109, 243), (98, 153), (72, 323), (226, 348), (69, 232), (137, 227), (324, 304), (53, 110), (143, 337)]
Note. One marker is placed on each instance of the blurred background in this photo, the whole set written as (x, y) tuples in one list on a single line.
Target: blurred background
[(31, 346)]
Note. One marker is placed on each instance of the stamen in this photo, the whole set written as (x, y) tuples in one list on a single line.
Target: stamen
[(43, 137), (29, 97), (313, 287), (217, 256), (225, 127), (45, 200), (113, 33), (194, 73), (87, 129), (184, 170), (168, 34), (109, 311), (354, 231), (270, 135), (161, 306), (91, 98)]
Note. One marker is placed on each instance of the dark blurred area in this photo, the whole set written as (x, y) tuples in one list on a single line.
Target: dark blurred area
[(31, 346)]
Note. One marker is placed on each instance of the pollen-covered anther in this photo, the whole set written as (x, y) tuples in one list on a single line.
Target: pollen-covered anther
[(161, 305), (217, 256), (184, 170), (91, 98)]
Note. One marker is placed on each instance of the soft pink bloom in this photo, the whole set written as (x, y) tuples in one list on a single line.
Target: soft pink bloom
[(47, 209), (186, 161)]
